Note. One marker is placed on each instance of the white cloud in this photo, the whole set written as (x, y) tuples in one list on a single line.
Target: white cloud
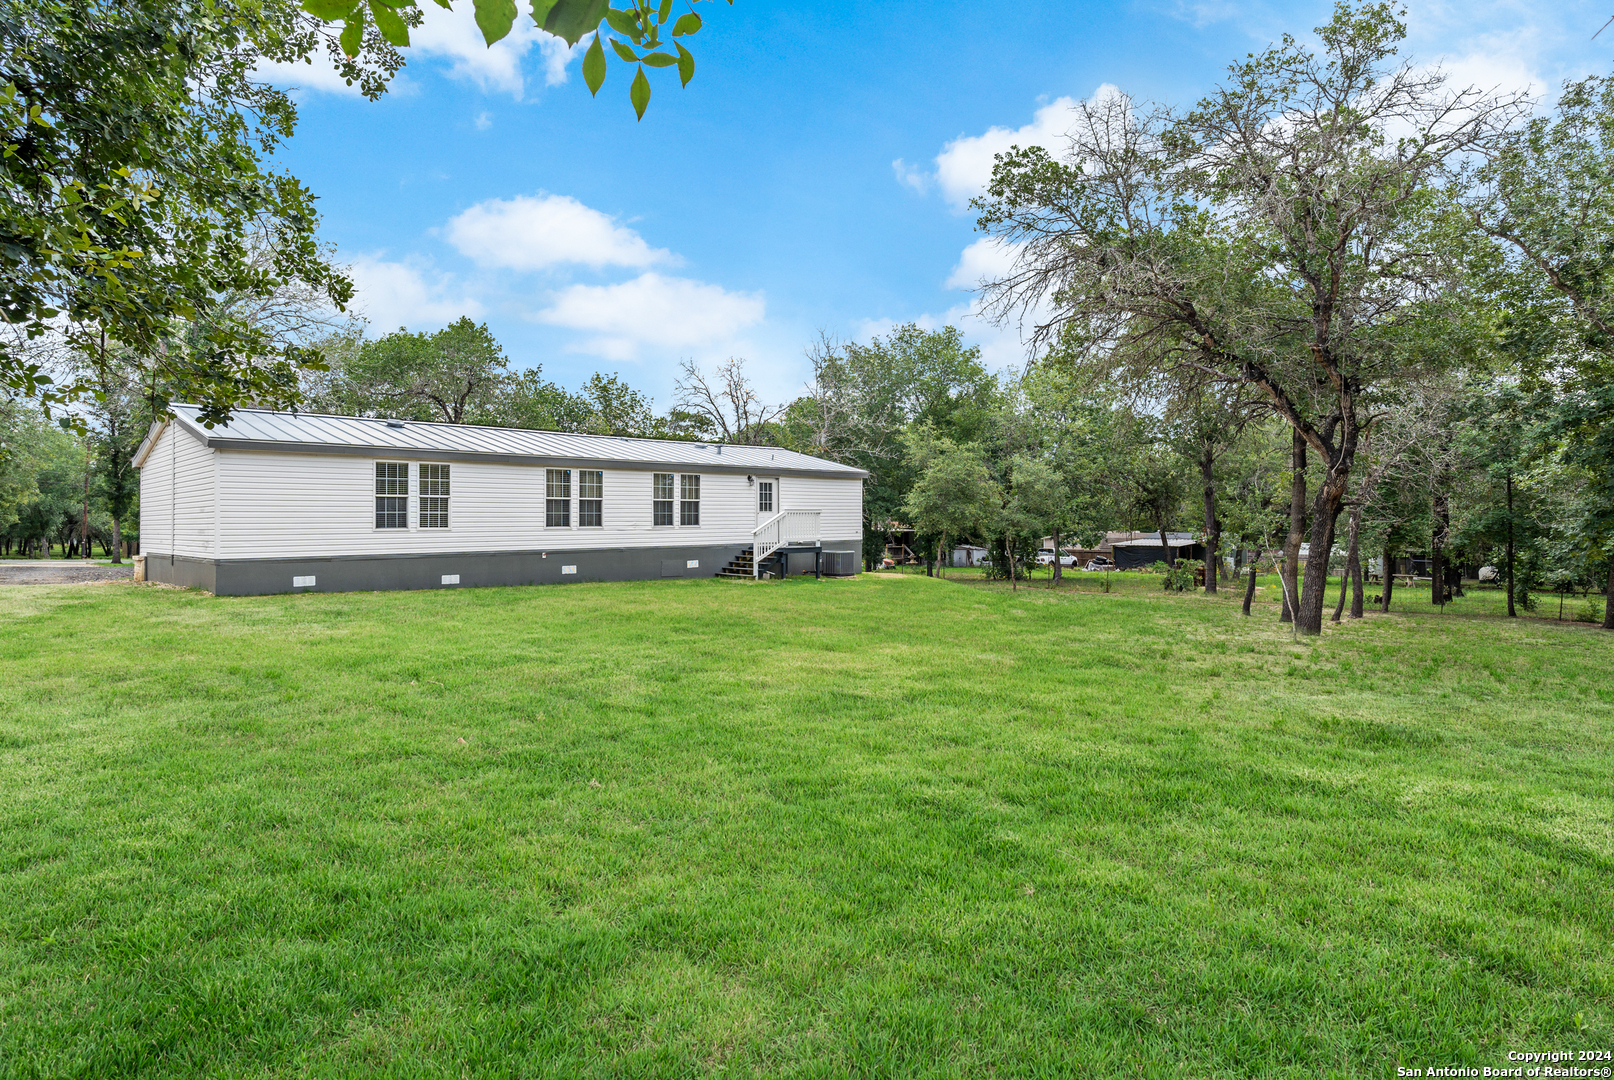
[(911, 175), (483, 121), (532, 232), (454, 36), (964, 167), (411, 294), (652, 310), (450, 35), (988, 259), (319, 74)]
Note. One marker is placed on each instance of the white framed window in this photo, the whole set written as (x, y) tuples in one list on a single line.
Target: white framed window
[(558, 498), (392, 495), (689, 499), (433, 496), (662, 498), (590, 499), (764, 496)]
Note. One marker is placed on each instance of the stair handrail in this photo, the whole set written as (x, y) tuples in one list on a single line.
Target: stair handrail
[(785, 527)]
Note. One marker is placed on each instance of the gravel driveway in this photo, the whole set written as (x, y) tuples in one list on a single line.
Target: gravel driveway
[(60, 572)]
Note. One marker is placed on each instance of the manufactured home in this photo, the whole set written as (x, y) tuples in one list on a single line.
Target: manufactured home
[(293, 502)]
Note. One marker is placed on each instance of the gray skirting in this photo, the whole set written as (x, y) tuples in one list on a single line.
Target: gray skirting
[(365, 573)]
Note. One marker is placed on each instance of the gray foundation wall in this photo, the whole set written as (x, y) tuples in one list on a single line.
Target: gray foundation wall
[(366, 573)]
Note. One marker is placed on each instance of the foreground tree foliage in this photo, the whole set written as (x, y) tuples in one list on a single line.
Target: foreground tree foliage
[(643, 31), (135, 195)]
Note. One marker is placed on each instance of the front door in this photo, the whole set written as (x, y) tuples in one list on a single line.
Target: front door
[(767, 497)]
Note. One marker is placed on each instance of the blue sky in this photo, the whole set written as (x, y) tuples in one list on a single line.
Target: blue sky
[(812, 176)]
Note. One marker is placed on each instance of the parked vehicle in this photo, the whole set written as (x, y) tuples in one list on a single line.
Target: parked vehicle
[(1100, 562), (1046, 558)]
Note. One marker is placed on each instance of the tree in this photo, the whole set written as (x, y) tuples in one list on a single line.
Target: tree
[(453, 376), (1546, 194), (119, 418), (1039, 499), (954, 493), (864, 397), (643, 22), (1274, 235), (727, 402), (133, 182)]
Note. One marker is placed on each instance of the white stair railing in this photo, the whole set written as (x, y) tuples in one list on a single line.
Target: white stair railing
[(782, 530)]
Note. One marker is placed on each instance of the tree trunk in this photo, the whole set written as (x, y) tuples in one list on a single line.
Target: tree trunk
[(1344, 587), (1608, 596), (1389, 579), (1353, 562), (1512, 613), (88, 551), (1008, 550), (1058, 570), (1213, 528), (1249, 588), (117, 543), (1325, 509), (1437, 554), (1289, 572), (941, 555), (1165, 542)]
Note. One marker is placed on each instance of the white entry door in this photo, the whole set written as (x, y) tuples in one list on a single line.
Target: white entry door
[(767, 497)]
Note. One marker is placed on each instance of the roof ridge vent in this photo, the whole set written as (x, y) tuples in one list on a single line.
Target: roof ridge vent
[(395, 423)]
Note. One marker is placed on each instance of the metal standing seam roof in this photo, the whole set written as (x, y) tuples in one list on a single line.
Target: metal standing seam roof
[(313, 433), (1182, 539)]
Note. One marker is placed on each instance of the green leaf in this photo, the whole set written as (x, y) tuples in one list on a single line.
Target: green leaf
[(623, 51), (660, 59), (594, 66), (540, 10), (571, 19), (386, 20), (624, 23), (639, 93), (329, 10), (666, 11), (447, 5), (494, 18), (352, 38), (686, 64), (687, 24)]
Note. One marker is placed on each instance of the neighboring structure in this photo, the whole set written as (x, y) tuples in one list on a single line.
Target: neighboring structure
[(969, 555), (1133, 551), (293, 502)]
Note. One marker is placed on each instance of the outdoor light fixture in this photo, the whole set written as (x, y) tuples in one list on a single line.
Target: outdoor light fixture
[(750, 479)]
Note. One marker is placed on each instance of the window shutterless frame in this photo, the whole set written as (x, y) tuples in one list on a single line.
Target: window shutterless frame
[(689, 499), (558, 498), (392, 495), (433, 496), (590, 499), (661, 498)]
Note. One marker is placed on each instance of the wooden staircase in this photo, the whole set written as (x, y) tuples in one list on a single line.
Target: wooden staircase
[(740, 566)]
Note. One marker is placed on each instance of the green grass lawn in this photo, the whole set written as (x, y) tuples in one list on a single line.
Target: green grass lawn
[(888, 826)]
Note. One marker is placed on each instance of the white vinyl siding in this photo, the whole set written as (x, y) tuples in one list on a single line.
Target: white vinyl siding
[(278, 505), (178, 514)]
